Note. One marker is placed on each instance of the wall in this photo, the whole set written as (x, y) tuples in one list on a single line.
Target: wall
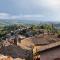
[(50, 54)]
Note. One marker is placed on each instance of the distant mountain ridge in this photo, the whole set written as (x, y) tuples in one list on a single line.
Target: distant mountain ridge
[(9, 22)]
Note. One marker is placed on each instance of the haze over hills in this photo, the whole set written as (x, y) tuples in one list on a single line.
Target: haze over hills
[(8, 22), (11, 22)]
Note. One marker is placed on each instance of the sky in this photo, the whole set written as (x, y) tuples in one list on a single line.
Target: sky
[(43, 10)]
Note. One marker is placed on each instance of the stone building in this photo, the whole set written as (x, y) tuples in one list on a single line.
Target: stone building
[(51, 54), (48, 52)]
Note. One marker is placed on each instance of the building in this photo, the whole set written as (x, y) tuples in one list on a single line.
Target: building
[(48, 52), (44, 48)]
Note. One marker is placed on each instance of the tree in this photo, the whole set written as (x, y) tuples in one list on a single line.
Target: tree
[(33, 27)]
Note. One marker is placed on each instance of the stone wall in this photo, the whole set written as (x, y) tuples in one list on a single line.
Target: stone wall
[(50, 54)]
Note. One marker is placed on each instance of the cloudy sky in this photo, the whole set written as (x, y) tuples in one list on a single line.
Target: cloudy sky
[(46, 10)]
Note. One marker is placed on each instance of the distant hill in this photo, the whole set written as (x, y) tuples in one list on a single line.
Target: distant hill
[(10, 22)]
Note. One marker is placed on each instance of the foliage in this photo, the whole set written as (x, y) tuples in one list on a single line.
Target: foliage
[(33, 28)]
